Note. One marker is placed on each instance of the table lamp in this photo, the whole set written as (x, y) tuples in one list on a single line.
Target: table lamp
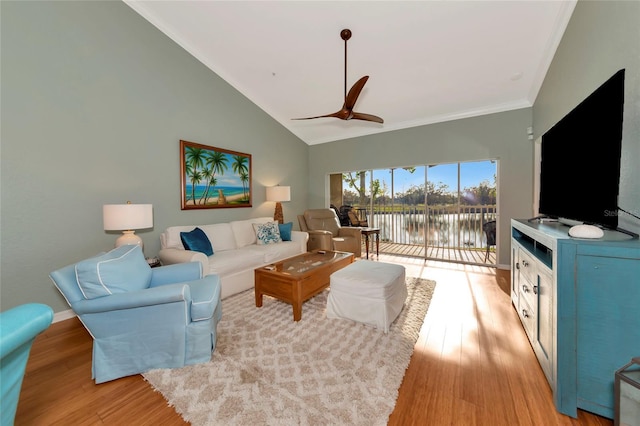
[(278, 194), (127, 218)]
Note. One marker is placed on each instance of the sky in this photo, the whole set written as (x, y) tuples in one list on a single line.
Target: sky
[(471, 174)]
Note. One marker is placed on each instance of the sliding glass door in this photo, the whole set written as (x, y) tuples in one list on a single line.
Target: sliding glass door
[(435, 211)]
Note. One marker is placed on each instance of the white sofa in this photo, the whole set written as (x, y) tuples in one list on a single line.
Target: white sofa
[(236, 253)]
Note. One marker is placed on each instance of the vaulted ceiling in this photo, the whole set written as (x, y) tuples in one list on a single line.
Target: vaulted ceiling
[(428, 61)]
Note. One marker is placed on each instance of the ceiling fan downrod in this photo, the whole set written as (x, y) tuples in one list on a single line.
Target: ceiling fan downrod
[(350, 98), (345, 35)]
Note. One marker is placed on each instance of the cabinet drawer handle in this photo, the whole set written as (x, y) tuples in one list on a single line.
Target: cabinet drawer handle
[(525, 263), (525, 288), (525, 313), (535, 289), (517, 265)]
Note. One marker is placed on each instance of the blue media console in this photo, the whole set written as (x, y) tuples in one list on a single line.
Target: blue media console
[(579, 303)]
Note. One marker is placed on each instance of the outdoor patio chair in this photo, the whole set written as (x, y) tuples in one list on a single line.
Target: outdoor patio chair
[(489, 229)]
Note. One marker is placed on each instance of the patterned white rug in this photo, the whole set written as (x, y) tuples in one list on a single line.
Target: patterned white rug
[(269, 370)]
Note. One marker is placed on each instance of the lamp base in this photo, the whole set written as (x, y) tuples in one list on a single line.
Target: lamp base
[(129, 238), (277, 215)]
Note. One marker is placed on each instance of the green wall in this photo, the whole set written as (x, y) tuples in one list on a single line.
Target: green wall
[(602, 37), (94, 102)]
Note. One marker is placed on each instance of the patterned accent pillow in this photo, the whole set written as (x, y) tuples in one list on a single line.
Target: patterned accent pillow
[(267, 233)]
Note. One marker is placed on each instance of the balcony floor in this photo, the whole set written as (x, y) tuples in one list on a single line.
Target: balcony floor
[(457, 255)]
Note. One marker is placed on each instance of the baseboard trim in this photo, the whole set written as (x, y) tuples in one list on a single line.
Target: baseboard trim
[(63, 315)]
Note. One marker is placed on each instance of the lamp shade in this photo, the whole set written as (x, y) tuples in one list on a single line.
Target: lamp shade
[(120, 217), (278, 193)]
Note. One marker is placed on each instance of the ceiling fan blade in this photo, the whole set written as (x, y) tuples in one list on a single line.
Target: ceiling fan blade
[(354, 92), (366, 117), (350, 99), (339, 114)]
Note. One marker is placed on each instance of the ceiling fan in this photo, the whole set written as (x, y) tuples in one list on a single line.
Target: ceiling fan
[(347, 112)]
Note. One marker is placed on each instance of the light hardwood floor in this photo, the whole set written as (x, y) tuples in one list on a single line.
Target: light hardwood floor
[(472, 365)]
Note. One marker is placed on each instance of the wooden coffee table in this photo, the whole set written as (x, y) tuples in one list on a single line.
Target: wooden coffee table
[(298, 279)]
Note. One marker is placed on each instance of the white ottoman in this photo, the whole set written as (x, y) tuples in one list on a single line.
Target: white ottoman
[(369, 292)]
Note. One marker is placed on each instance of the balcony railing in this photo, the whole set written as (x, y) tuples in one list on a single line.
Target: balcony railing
[(458, 227)]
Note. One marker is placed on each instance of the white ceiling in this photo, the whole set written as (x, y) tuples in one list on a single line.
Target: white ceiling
[(428, 61)]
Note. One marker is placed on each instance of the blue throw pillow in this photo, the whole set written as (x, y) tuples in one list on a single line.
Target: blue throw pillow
[(196, 240), (285, 231), (121, 270)]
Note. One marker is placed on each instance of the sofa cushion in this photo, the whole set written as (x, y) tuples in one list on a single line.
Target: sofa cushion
[(121, 270), (196, 240), (221, 236), (285, 230), (231, 261), (244, 232), (270, 253), (267, 233), (170, 238)]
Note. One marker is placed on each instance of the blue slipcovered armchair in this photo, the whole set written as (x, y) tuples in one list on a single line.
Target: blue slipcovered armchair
[(19, 327), (141, 318)]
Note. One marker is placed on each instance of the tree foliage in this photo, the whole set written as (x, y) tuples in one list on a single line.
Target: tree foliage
[(357, 193)]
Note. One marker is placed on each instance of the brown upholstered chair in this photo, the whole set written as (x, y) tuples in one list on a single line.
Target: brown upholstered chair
[(325, 232)]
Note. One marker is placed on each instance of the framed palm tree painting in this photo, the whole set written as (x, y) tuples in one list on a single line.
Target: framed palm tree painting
[(213, 178)]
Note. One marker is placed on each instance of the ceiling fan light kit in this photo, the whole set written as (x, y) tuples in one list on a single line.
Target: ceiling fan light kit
[(347, 112)]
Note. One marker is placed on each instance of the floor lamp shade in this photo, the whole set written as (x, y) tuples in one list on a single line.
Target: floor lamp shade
[(278, 194), (127, 218)]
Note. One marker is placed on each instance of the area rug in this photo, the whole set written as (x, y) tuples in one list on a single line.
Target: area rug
[(269, 370)]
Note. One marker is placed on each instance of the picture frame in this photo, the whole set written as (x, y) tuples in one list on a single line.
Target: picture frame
[(213, 178)]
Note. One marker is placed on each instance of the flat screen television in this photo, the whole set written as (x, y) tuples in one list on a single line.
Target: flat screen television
[(580, 159)]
